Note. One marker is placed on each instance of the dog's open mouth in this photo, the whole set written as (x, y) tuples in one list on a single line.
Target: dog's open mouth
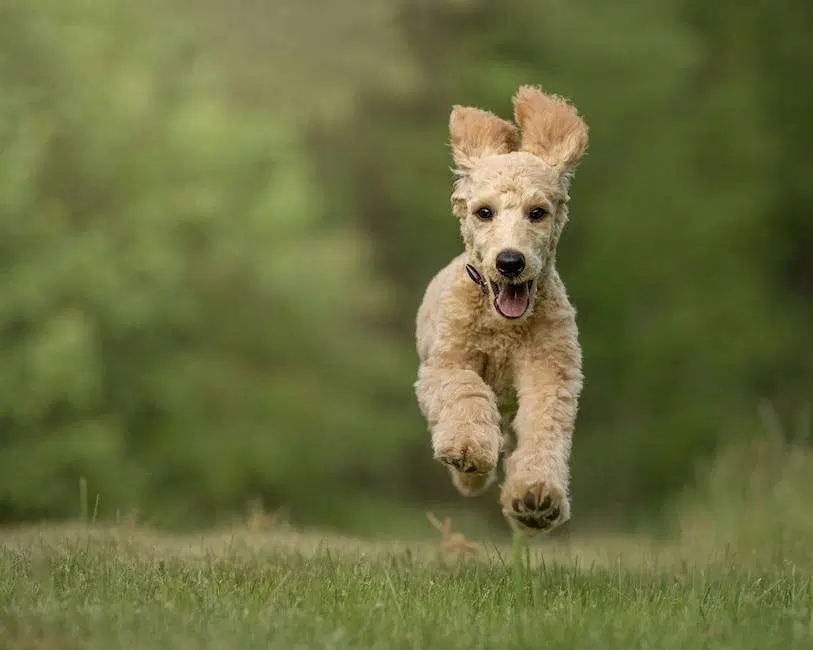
[(511, 300)]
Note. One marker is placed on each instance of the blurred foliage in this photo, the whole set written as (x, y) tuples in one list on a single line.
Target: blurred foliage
[(217, 220), (182, 318), (753, 497)]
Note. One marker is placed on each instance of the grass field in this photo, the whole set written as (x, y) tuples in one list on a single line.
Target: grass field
[(736, 575), (84, 587)]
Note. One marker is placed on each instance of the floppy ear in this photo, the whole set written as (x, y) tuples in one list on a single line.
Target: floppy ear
[(475, 133), (551, 128)]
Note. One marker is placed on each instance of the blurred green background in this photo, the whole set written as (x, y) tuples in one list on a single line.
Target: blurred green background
[(217, 219)]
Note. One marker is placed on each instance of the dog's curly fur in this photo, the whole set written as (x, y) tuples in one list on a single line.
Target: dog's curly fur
[(480, 358)]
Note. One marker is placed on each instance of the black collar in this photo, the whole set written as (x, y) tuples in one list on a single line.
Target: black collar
[(474, 274)]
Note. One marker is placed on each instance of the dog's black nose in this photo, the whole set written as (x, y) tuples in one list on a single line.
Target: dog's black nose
[(510, 263)]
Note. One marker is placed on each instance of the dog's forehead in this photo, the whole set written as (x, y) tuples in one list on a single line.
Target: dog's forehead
[(515, 173)]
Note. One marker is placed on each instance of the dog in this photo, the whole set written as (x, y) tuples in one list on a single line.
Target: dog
[(496, 334)]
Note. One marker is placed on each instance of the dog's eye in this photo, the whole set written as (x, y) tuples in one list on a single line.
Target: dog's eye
[(537, 214), (485, 214)]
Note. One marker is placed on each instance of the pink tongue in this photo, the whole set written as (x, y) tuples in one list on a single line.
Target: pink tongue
[(513, 299)]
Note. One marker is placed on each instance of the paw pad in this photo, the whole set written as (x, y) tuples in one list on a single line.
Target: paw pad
[(539, 509)]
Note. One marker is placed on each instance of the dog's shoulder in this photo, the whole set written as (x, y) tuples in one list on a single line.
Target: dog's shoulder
[(449, 308)]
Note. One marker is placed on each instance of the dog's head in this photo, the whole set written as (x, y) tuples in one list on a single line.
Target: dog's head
[(511, 191)]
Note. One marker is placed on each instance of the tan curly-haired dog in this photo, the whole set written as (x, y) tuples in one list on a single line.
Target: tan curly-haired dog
[(496, 333)]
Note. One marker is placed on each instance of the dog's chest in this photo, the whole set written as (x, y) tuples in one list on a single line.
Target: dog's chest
[(498, 372)]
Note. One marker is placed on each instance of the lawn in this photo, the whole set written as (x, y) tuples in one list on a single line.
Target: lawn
[(107, 588)]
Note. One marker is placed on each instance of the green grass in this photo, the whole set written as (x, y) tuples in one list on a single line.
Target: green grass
[(735, 575), (77, 587)]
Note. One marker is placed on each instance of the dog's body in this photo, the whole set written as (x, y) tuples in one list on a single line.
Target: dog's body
[(495, 328)]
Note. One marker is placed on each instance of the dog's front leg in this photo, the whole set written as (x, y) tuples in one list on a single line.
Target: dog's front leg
[(463, 418), (548, 380)]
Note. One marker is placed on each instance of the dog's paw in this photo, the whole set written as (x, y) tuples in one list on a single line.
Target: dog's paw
[(534, 506), (472, 455), (471, 484)]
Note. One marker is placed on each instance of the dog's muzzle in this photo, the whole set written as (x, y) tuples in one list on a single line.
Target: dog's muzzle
[(511, 299)]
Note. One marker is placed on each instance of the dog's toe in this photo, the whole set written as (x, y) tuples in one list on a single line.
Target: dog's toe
[(539, 507), (469, 458)]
